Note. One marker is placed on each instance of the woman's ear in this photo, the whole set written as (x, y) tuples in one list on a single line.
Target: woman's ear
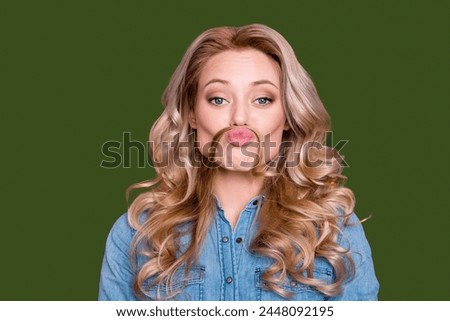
[(192, 120), (286, 125)]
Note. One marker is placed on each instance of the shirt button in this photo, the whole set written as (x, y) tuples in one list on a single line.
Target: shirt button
[(229, 279), (225, 239), (255, 202), (239, 240), (293, 283)]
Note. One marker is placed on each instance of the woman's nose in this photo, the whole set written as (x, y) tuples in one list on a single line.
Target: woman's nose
[(239, 115)]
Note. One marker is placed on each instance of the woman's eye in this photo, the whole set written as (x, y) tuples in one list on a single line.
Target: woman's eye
[(263, 101), (217, 100)]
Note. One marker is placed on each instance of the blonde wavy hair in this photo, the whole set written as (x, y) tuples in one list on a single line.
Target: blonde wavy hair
[(300, 219)]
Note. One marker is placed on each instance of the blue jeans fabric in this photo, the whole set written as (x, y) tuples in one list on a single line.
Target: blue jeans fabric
[(228, 270)]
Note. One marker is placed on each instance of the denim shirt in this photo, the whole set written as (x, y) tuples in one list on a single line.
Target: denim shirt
[(228, 270)]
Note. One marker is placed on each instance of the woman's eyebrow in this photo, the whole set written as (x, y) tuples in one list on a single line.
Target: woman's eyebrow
[(217, 80), (255, 83), (262, 82)]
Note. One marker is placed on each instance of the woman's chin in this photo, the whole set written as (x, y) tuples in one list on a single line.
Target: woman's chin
[(238, 164)]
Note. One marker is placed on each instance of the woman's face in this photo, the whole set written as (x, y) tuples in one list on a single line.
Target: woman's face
[(239, 89)]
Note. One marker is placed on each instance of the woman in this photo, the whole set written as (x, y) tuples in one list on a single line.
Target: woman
[(247, 203)]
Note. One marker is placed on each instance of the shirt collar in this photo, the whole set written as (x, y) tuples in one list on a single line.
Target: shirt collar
[(253, 203)]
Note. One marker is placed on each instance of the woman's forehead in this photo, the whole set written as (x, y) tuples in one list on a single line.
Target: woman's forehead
[(239, 67)]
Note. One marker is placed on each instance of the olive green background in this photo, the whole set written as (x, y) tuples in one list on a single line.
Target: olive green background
[(76, 74)]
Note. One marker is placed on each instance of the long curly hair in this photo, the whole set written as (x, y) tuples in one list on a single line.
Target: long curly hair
[(300, 219)]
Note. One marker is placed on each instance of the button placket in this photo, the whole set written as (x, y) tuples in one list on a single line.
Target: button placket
[(226, 245), (240, 238)]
